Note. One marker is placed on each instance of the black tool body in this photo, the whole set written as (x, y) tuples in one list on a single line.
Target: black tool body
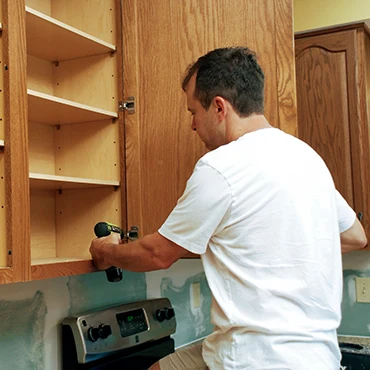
[(114, 274)]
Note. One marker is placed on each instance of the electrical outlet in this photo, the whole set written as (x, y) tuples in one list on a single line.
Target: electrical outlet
[(196, 294), (363, 290)]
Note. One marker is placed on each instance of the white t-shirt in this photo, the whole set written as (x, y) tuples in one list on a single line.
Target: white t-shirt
[(264, 214)]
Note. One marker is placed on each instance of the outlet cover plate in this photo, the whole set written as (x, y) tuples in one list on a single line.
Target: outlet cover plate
[(363, 290)]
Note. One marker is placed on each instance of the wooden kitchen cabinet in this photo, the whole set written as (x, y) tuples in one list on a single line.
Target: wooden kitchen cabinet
[(72, 154), (63, 133), (333, 96)]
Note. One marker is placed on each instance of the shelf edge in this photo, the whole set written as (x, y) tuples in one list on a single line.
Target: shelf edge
[(73, 180), (70, 103)]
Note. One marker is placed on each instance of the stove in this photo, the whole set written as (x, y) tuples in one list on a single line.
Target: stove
[(355, 356), (128, 336)]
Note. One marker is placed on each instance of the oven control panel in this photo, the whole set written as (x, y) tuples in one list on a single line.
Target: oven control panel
[(121, 327)]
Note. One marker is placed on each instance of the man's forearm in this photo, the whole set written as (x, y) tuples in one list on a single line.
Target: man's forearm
[(354, 238), (346, 248), (152, 252), (133, 256)]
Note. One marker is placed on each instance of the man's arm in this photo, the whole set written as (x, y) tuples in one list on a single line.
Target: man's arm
[(353, 238), (152, 252)]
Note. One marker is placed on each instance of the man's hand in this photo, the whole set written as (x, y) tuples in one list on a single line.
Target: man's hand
[(99, 250)]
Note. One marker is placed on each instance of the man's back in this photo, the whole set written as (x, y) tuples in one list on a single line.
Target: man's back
[(274, 264)]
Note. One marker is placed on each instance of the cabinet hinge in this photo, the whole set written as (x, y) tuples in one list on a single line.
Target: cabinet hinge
[(128, 105), (132, 234)]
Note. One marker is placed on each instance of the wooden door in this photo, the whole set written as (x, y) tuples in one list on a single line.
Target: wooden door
[(332, 113), (161, 38), (326, 88)]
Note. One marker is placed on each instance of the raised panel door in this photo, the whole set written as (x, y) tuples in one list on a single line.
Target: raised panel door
[(325, 87)]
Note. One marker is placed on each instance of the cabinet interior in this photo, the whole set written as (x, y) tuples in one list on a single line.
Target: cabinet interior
[(73, 130), (62, 222)]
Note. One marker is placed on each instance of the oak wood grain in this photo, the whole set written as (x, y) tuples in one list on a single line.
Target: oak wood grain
[(16, 153), (324, 90), (69, 268), (333, 87), (161, 149), (286, 84), (361, 156)]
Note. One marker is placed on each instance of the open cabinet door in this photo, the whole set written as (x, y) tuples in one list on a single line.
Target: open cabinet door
[(160, 39)]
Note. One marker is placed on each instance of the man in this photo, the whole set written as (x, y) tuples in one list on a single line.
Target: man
[(262, 211)]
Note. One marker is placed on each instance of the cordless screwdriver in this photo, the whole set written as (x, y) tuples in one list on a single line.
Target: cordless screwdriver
[(114, 274)]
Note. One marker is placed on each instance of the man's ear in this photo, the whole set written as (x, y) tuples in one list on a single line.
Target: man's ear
[(220, 105)]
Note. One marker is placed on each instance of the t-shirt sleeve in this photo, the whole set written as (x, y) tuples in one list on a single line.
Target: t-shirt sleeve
[(346, 215), (199, 211)]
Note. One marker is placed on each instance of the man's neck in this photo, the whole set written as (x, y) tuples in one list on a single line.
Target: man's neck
[(240, 126)]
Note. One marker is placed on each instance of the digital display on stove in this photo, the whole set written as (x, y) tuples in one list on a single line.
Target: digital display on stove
[(132, 322)]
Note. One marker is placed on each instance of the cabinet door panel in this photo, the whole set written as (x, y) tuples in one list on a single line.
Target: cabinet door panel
[(325, 89), (161, 38)]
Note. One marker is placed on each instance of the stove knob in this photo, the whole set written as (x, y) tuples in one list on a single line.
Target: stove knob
[(105, 331), (170, 313), (161, 314), (93, 334)]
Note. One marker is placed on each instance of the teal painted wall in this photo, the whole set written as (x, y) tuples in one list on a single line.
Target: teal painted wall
[(355, 316), (31, 313)]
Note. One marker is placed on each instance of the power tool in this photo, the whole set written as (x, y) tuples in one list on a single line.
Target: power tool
[(103, 228), (114, 274)]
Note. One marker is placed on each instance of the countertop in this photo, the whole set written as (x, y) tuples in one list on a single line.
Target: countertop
[(362, 341)]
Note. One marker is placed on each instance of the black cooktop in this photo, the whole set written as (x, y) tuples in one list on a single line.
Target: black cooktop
[(355, 356)]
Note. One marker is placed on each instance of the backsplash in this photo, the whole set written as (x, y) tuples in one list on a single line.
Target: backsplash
[(355, 316), (31, 313)]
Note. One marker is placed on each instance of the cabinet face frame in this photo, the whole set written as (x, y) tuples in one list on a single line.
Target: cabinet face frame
[(16, 153), (362, 173), (67, 267), (17, 203)]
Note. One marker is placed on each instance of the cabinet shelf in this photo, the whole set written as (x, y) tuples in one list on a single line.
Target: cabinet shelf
[(48, 109), (53, 182), (50, 39)]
